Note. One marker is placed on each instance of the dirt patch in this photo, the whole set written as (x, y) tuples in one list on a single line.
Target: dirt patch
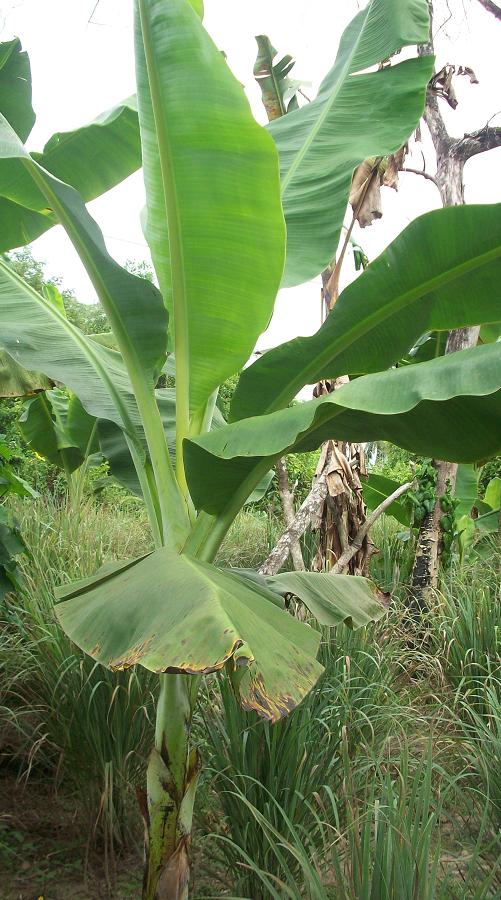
[(44, 851)]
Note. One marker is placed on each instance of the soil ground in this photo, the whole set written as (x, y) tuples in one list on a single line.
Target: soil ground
[(45, 856)]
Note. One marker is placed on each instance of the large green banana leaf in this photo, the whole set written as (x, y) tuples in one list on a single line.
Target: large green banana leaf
[(199, 618), (212, 173), (333, 599), (354, 116), (449, 408), (38, 336), (93, 159), (133, 305), (196, 620), (57, 427), (440, 273), (15, 88)]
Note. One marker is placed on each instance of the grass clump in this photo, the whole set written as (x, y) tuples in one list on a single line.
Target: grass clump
[(64, 715)]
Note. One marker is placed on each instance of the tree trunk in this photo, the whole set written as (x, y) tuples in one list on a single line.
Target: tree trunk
[(289, 513), (308, 513), (342, 464), (171, 781), (451, 158)]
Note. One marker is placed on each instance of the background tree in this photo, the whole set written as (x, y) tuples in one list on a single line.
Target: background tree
[(452, 154)]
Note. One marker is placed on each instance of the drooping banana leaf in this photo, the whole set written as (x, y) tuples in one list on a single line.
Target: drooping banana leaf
[(422, 282), (15, 88), (213, 172), (333, 599), (448, 408), (354, 116), (199, 618), (93, 159), (37, 334)]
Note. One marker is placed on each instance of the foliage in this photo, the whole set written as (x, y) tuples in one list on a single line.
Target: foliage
[(215, 226), (480, 721), (422, 497), (329, 128), (393, 462), (252, 536), (225, 394), (279, 92), (289, 771), (377, 489), (490, 469), (310, 815), (88, 727), (467, 626), (11, 542), (389, 848), (90, 318)]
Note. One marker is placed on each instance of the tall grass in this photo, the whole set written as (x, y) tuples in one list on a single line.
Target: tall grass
[(86, 728), (466, 628), (392, 562), (250, 539), (289, 771), (339, 800), (482, 732), (381, 842)]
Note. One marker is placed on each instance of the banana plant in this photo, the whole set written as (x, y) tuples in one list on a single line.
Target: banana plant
[(215, 226)]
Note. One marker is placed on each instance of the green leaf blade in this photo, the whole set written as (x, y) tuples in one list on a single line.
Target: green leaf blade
[(333, 599), (92, 159), (448, 408), (352, 118), (15, 88), (214, 220), (422, 282), (197, 620), (376, 489)]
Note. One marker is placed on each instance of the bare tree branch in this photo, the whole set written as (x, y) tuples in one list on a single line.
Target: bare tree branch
[(423, 173), (486, 138), (308, 510), (491, 7), (461, 149), (362, 533)]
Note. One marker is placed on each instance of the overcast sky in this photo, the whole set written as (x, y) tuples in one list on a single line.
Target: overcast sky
[(83, 64)]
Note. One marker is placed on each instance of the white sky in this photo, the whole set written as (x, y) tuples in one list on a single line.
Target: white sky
[(82, 66)]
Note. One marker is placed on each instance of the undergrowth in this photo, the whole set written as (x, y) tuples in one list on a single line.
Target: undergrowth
[(383, 784)]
